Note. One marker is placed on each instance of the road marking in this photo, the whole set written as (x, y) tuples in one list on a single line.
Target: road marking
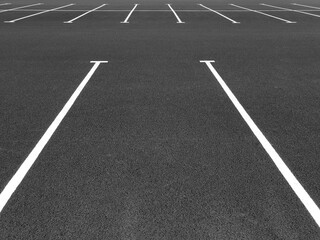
[(2, 4), (256, 11), (292, 10), (233, 21), (32, 157), (35, 14), (12, 9), (72, 20), (179, 20), (285, 171), (127, 19), (301, 5)]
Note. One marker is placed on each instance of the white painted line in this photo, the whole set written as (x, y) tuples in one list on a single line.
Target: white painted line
[(291, 10), (127, 19), (74, 19), (233, 21), (35, 14), (2, 4), (256, 11), (282, 167), (301, 5), (179, 20), (32, 157), (12, 9)]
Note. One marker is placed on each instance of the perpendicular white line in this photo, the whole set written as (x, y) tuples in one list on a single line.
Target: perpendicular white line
[(127, 18), (292, 10), (174, 12), (256, 11), (233, 21), (32, 157), (12, 9), (35, 14), (302, 194), (301, 5), (92, 10)]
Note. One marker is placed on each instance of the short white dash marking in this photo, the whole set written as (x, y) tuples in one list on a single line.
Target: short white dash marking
[(233, 21), (35, 14), (76, 18), (285, 171), (127, 18), (32, 157), (301, 5), (268, 15), (292, 10), (174, 12), (13, 9)]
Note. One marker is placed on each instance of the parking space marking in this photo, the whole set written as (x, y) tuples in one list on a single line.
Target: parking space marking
[(233, 21), (12, 9), (2, 4), (291, 10), (32, 157), (129, 15), (76, 18), (301, 5), (256, 11), (285, 171), (35, 14), (179, 20)]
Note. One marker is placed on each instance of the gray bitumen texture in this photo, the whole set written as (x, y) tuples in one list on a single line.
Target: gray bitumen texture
[(153, 148)]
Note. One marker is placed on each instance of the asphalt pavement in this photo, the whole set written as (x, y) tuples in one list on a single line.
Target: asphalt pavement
[(153, 148)]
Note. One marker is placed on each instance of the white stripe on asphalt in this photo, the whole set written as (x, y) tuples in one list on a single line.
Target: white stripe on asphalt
[(35, 14), (233, 21), (256, 11), (32, 157), (76, 18), (291, 10), (127, 19), (12, 9), (2, 4), (285, 171), (301, 5), (179, 20)]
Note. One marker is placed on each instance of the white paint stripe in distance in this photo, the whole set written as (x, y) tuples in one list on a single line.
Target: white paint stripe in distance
[(32, 157), (256, 11), (35, 14), (179, 20), (76, 18), (301, 5), (2, 4), (233, 21), (285, 171), (291, 10), (127, 18), (12, 9)]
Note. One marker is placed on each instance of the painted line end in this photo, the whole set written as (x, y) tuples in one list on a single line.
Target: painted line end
[(99, 61), (205, 61)]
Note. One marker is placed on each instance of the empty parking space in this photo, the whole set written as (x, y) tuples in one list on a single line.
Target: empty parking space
[(150, 146)]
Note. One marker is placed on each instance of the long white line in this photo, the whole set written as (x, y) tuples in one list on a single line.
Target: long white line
[(233, 21), (256, 11), (161, 10), (12, 9), (35, 14), (72, 20), (32, 157), (127, 19), (285, 171), (292, 10), (2, 4), (301, 5), (179, 20)]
